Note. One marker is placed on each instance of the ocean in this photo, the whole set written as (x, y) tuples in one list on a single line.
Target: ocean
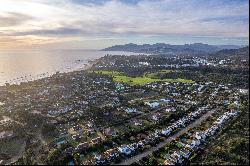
[(26, 65)]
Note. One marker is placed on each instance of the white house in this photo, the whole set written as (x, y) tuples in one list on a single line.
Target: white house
[(170, 109), (125, 150), (165, 100), (166, 131), (130, 110), (153, 104)]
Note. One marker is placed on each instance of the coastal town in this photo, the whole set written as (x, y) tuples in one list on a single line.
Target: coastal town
[(124, 110), (124, 82)]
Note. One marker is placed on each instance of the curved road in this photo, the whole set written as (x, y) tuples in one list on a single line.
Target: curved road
[(169, 139)]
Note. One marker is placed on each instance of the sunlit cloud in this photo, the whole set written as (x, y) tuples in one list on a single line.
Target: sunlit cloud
[(81, 19), (12, 19), (26, 42)]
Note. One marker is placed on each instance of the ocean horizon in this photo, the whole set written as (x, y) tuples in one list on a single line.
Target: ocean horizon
[(22, 65)]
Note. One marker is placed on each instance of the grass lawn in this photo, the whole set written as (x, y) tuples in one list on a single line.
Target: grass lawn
[(121, 78), (154, 75)]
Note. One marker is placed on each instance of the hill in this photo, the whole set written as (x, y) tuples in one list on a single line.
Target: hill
[(233, 53), (162, 48)]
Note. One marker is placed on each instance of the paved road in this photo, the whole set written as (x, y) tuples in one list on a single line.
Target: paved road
[(162, 144)]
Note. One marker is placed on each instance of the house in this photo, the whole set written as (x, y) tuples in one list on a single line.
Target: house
[(168, 162), (133, 146), (96, 140), (237, 103), (76, 137), (90, 131), (170, 109), (226, 102), (200, 135), (119, 87), (166, 131), (130, 110), (137, 122), (140, 144), (195, 143), (76, 128), (110, 132), (156, 116), (153, 104), (82, 146), (90, 124), (111, 154), (165, 100), (185, 153), (176, 158), (125, 150), (176, 94), (144, 63), (242, 91), (145, 141), (99, 159), (61, 142), (200, 88), (197, 136)]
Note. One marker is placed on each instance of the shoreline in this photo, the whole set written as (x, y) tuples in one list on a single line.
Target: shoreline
[(86, 66), (78, 67), (83, 67)]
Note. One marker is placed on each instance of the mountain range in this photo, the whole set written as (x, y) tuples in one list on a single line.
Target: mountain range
[(162, 48)]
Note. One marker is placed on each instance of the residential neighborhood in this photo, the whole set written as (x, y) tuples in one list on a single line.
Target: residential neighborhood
[(124, 82), (96, 117)]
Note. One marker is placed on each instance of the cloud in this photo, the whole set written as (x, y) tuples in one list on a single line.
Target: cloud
[(51, 32), (227, 19), (12, 19), (85, 18), (25, 42)]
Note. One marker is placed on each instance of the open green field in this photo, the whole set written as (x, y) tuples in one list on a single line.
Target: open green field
[(154, 75), (145, 79)]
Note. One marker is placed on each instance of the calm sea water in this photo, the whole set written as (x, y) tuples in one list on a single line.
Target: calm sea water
[(22, 65)]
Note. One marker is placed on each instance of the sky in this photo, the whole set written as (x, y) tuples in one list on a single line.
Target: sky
[(96, 24)]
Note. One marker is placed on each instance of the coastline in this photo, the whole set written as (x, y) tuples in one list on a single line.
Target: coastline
[(80, 61), (83, 67), (86, 66)]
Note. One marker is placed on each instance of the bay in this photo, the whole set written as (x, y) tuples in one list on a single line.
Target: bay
[(26, 65)]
